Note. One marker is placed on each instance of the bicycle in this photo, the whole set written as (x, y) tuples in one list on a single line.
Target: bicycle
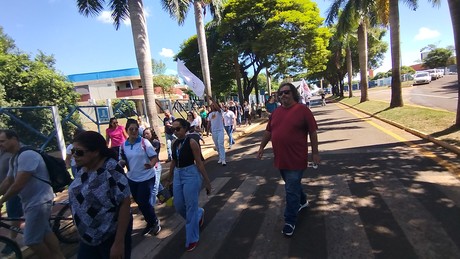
[(61, 223)]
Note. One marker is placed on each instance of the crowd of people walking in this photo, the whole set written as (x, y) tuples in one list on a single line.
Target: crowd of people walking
[(109, 170)]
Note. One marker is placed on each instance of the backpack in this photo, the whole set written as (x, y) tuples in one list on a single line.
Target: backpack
[(57, 170)]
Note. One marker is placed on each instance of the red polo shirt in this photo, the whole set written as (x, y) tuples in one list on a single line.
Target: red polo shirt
[(289, 129)]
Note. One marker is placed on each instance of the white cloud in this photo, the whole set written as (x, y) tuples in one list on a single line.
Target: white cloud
[(168, 53), (105, 17), (426, 33)]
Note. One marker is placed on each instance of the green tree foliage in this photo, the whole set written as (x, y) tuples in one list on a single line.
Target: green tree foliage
[(25, 81), (165, 82), (252, 28), (437, 57), (158, 67), (123, 108), (404, 70), (336, 63)]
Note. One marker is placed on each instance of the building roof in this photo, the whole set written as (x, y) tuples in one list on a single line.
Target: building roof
[(120, 73)]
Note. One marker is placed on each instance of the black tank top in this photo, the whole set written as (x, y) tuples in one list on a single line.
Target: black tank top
[(182, 153)]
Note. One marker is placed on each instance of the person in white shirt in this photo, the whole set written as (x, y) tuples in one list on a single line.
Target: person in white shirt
[(229, 125), (216, 124)]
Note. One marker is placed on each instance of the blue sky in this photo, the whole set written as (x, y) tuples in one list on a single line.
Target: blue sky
[(90, 44)]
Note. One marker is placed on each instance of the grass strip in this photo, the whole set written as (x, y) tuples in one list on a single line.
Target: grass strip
[(434, 122)]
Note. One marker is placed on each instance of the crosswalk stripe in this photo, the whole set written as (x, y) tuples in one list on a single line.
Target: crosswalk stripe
[(345, 234), (272, 222), (150, 246), (422, 230), (214, 234)]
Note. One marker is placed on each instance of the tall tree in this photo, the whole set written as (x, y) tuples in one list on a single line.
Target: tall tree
[(454, 7), (158, 67), (247, 26), (437, 58), (134, 9), (349, 13), (179, 10)]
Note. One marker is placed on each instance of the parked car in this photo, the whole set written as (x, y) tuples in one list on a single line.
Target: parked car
[(422, 78), (433, 73)]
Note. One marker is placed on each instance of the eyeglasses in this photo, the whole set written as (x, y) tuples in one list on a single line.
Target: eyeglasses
[(285, 92), (177, 128), (133, 129), (78, 152)]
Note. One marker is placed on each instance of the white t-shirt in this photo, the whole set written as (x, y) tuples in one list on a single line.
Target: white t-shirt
[(217, 122), (35, 192), (138, 155), (229, 118)]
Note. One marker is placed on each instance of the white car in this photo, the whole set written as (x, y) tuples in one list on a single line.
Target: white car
[(422, 78), (433, 73)]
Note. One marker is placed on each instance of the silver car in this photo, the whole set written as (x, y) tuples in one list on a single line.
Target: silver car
[(422, 78)]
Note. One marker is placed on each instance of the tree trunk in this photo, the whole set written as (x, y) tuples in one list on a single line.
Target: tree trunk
[(144, 59), (238, 79), (362, 51), (349, 71), (454, 7), (202, 47), (396, 91)]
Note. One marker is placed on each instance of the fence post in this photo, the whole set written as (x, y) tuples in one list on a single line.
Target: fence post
[(59, 133)]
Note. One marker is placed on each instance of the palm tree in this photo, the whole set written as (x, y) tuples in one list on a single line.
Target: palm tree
[(134, 9), (355, 12), (454, 7), (179, 9)]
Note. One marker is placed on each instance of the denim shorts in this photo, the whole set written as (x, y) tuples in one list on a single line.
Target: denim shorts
[(37, 223)]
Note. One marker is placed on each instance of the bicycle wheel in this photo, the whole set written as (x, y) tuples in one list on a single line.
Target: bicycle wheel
[(64, 227), (9, 249)]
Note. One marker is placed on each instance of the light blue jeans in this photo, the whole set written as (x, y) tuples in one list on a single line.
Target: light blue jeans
[(158, 187), (229, 130), (294, 194), (186, 188), (169, 139), (218, 138)]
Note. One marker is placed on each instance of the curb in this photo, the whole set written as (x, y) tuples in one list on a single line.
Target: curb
[(415, 132)]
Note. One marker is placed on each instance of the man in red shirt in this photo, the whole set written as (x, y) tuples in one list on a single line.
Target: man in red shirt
[(288, 128)]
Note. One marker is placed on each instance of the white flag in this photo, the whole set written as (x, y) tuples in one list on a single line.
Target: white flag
[(190, 79), (305, 88)]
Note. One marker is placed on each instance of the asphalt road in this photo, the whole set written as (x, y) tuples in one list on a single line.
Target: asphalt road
[(440, 94), (379, 192)]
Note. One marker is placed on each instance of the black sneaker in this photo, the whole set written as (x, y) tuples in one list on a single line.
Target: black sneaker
[(149, 229), (288, 229)]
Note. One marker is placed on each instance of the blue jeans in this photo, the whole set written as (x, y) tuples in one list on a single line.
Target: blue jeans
[(169, 139), (294, 194), (102, 251), (218, 138), (158, 187), (186, 187), (229, 130), (142, 193)]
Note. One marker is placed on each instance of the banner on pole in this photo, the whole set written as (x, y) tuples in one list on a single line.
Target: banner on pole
[(190, 79)]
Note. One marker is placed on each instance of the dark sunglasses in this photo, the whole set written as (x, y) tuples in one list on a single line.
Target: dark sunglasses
[(177, 128), (285, 92), (133, 129), (78, 152)]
